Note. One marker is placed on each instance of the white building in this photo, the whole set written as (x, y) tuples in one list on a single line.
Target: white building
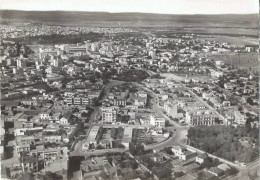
[(171, 108), (157, 122), (182, 153), (109, 114), (90, 142)]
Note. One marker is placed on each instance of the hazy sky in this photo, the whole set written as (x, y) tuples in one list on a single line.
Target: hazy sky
[(149, 6)]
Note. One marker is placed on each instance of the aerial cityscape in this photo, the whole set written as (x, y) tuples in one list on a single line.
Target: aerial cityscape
[(129, 96)]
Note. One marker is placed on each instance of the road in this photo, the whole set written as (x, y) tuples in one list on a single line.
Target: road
[(177, 139), (251, 171), (95, 152), (179, 132)]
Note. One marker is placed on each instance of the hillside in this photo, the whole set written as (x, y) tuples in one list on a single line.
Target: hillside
[(105, 19)]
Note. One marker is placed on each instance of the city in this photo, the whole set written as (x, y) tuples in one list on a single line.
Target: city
[(127, 103)]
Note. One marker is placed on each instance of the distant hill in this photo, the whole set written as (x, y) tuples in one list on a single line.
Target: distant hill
[(105, 19)]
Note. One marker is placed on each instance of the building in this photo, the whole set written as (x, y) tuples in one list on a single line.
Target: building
[(109, 115), (215, 73), (251, 48), (44, 115), (47, 51), (21, 63), (50, 155), (224, 167), (199, 118), (127, 137), (239, 118), (201, 158), (91, 168), (77, 101), (90, 142), (120, 102), (171, 108), (183, 153), (157, 122)]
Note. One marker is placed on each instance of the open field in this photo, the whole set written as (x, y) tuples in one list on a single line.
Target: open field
[(239, 41), (206, 31), (242, 60)]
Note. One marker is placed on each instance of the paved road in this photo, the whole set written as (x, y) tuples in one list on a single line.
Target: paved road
[(96, 152), (252, 170), (179, 131)]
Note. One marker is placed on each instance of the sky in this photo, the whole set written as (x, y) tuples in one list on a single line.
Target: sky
[(144, 6)]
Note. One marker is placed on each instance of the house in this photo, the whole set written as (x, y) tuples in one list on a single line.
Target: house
[(229, 86), (201, 158), (226, 103), (55, 117), (44, 115), (240, 118), (139, 99), (158, 157), (66, 117), (224, 167)]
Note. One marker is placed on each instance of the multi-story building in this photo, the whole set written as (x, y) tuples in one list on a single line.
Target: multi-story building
[(109, 114), (199, 118), (43, 52), (157, 122), (77, 48), (77, 101), (21, 63), (120, 102)]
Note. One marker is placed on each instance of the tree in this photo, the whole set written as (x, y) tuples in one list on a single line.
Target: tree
[(52, 176), (250, 101)]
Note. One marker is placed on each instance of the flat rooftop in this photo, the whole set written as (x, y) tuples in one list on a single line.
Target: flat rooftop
[(92, 134)]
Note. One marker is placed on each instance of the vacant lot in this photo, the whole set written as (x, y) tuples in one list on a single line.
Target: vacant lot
[(247, 61), (241, 41)]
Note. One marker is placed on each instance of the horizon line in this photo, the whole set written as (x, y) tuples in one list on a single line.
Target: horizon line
[(125, 12)]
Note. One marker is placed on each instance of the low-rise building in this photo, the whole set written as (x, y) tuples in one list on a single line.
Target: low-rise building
[(90, 142), (183, 153), (201, 158), (171, 108)]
